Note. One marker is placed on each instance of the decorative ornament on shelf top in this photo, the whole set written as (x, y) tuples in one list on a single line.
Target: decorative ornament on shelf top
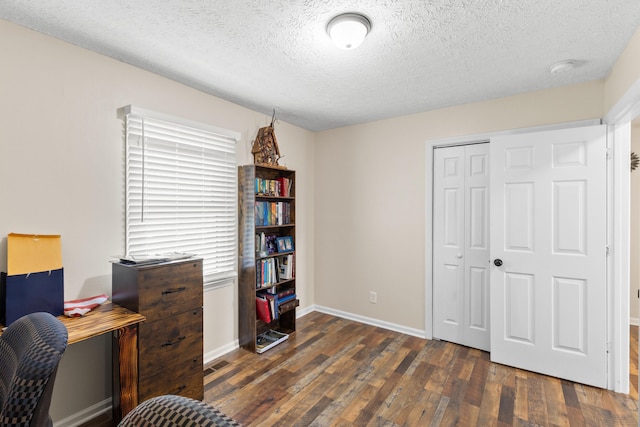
[(265, 147), (635, 160)]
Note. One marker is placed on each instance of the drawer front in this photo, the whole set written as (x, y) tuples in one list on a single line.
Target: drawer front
[(171, 289), (166, 342), (184, 379)]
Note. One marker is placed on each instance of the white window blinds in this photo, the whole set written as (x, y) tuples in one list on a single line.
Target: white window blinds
[(181, 191)]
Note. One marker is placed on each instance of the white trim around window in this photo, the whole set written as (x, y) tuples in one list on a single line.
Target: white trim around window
[(181, 191)]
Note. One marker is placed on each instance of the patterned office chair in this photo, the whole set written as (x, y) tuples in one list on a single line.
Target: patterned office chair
[(30, 350), (173, 411)]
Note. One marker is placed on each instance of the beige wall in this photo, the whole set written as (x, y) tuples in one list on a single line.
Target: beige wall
[(370, 197), (624, 74), (61, 172)]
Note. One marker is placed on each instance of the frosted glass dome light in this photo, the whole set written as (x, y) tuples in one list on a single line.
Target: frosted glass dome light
[(348, 30)]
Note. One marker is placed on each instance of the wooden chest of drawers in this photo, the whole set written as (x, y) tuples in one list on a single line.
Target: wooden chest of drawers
[(170, 342)]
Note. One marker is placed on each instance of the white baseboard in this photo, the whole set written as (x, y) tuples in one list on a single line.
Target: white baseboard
[(85, 415), (420, 333), (305, 311), (634, 321), (220, 351)]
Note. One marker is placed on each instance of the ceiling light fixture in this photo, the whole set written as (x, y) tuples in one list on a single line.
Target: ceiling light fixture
[(348, 30), (562, 66)]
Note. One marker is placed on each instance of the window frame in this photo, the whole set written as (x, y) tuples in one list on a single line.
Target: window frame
[(211, 279)]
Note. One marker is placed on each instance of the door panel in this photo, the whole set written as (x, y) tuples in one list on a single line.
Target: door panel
[(476, 254), (448, 268), (451, 313), (479, 200), (548, 226), (519, 225), (569, 215), (452, 220), (520, 302), (478, 293), (569, 307), (461, 245)]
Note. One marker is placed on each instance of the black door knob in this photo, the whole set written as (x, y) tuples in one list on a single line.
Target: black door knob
[(497, 262)]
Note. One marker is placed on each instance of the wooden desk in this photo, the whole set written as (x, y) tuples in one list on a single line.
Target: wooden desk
[(123, 324)]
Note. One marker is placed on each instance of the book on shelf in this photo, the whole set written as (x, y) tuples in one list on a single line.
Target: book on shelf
[(287, 306), (262, 309), (285, 186), (286, 298), (272, 213), (270, 271), (293, 266), (275, 300), (269, 306), (280, 187), (266, 272), (261, 245), (269, 339), (279, 219), (259, 213), (282, 293), (273, 305), (285, 267)]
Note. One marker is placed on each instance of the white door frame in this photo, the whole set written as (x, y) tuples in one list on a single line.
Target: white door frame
[(619, 143), (618, 230)]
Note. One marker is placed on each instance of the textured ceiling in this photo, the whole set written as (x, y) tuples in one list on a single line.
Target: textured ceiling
[(275, 54)]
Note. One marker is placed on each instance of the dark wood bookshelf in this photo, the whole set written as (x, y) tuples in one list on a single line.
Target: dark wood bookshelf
[(250, 326)]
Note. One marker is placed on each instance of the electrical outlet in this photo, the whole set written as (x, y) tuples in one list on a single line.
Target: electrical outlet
[(373, 297)]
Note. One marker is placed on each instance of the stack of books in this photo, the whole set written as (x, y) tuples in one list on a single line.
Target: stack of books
[(270, 305), (271, 271), (280, 187), (266, 273), (272, 213)]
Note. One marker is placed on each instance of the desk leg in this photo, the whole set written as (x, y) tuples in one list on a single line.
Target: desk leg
[(125, 371)]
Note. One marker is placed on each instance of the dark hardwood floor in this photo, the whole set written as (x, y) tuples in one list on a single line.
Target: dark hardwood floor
[(336, 372)]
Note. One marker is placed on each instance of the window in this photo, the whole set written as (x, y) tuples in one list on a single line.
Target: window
[(181, 191)]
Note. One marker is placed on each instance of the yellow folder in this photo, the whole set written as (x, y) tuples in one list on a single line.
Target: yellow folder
[(31, 253)]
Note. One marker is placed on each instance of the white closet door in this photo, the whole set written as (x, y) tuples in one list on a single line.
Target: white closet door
[(548, 229), (477, 255), (461, 246)]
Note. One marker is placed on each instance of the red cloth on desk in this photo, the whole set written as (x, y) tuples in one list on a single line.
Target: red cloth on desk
[(80, 307)]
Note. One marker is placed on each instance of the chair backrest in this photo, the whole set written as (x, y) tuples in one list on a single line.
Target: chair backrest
[(176, 411), (30, 351)]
